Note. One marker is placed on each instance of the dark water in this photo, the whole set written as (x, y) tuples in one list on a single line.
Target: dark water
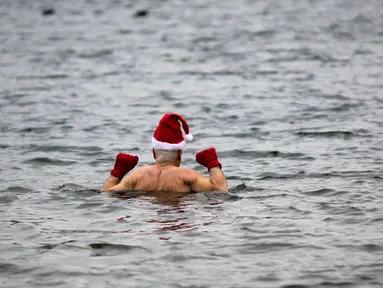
[(290, 94)]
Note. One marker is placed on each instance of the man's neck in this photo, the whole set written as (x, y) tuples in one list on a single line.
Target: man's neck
[(163, 164)]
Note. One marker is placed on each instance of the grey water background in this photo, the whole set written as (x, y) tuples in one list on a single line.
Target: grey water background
[(289, 93)]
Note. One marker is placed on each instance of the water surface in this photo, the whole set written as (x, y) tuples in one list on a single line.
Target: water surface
[(289, 93)]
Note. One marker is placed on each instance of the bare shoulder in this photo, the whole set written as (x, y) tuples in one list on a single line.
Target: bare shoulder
[(188, 171), (137, 174), (189, 175), (130, 181), (144, 170)]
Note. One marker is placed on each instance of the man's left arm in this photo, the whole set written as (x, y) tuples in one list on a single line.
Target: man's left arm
[(124, 163)]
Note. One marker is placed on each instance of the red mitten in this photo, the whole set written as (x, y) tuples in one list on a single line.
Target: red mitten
[(208, 158), (124, 163)]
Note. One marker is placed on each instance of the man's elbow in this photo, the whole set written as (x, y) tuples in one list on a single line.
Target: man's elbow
[(219, 187), (112, 188)]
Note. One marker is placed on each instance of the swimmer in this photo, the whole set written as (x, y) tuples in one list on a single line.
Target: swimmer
[(166, 175)]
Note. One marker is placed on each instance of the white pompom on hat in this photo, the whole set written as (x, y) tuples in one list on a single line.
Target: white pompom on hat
[(172, 133)]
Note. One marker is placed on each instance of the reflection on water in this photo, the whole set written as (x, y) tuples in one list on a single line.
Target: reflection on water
[(175, 206), (163, 197)]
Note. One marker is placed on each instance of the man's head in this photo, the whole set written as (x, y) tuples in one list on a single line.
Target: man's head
[(168, 156), (170, 138)]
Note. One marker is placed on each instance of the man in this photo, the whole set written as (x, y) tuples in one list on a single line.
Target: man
[(167, 175)]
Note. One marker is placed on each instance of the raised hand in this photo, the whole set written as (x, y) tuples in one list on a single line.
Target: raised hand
[(124, 163), (208, 158)]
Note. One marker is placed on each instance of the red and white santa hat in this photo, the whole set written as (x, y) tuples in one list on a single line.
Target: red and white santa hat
[(172, 133)]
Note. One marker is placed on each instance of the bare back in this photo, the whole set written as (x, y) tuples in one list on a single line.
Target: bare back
[(163, 178), (171, 178)]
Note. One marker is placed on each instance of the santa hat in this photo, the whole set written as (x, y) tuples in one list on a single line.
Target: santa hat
[(171, 133)]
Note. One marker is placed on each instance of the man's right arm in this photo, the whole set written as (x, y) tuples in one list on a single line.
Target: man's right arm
[(123, 164), (127, 184)]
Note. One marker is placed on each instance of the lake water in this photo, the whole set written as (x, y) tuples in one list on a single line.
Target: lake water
[(288, 92)]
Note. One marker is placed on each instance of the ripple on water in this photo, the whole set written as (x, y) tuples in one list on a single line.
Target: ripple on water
[(109, 249), (13, 269), (79, 150), (294, 286), (71, 189), (46, 161), (325, 192), (7, 199), (18, 189), (264, 154), (37, 130), (97, 54), (47, 76), (332, 134), (370, 247), (274, 176)]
